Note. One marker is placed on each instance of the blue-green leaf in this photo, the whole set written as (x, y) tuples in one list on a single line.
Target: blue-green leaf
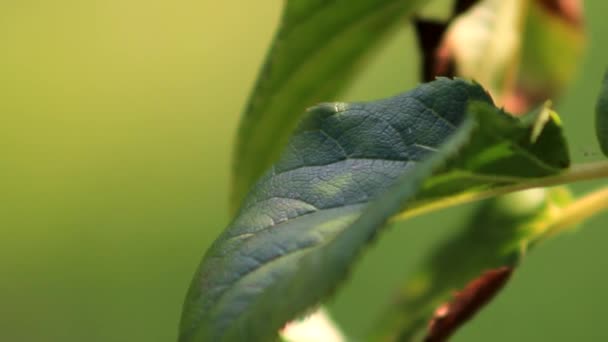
[(346, 171)]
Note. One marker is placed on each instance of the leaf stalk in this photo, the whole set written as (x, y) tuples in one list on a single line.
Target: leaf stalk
[(576, 173)]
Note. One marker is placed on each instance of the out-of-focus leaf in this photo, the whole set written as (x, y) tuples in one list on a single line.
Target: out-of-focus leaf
[(484, 43), (318, 47), (552, 46), (345, 172), (523, 51), (601, 116), (498, 236)]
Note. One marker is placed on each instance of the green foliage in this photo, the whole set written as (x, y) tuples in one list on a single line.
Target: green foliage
[(542, 73), (509, 47), (507, 151), (350, 168), (601, 118), (499, 234), (317, 50), (345, 172)]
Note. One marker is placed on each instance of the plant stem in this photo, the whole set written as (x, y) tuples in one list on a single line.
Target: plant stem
[(582, 209), (576, 173)]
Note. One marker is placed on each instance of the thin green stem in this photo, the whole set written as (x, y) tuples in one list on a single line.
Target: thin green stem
[(579, 211), (577, 173)]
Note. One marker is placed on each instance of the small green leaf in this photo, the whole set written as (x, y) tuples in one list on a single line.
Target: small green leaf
[(499, 234), (319, 46), (346, 171), (507, 151), (601, 117)]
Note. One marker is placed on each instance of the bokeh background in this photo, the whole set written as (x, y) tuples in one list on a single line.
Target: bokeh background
[(117, 120)]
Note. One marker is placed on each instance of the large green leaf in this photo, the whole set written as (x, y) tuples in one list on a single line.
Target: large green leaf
[(601, 117), (499, 235), (348, 169), (317, 49)]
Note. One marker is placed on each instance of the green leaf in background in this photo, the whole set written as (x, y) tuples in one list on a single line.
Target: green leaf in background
[(523, 51), (498, 235), (484, 43), (601, 116), (300, 227), (318, 47), (552, 46)]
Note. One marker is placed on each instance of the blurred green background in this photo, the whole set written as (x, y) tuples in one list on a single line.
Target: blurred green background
[(117, 119)]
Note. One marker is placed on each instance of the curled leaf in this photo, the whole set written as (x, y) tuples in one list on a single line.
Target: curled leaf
[(346, 171)]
